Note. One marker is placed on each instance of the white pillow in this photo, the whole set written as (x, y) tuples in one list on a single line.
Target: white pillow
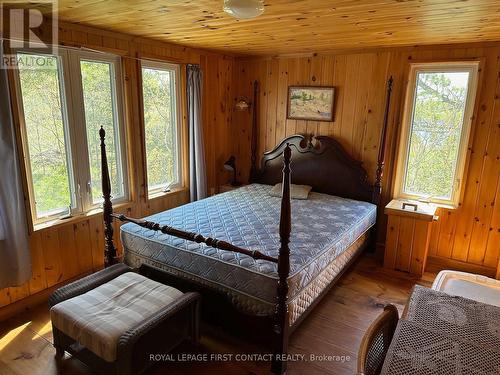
[(296, 191)]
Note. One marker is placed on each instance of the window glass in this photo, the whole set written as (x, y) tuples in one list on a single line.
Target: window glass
[(436, 126), (99, 95), (47, 138), (160, 122), (436, 129)]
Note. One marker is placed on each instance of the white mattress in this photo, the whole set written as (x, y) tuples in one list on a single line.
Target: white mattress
[(323, 227)]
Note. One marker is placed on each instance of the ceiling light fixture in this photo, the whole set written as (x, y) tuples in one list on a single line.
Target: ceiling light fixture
[(244, 9)]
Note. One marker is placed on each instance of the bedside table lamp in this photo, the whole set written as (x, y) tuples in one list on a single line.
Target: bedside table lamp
[(230, 165)]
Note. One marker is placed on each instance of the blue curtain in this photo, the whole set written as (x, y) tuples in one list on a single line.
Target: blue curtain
[(197, 168), (15, 264)]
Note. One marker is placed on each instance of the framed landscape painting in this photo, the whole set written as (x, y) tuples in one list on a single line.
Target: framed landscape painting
[(310, 103)]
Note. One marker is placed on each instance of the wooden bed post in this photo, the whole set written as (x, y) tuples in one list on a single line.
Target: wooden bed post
[(377, 187), (110, 257), (282, 324), (253, 160)]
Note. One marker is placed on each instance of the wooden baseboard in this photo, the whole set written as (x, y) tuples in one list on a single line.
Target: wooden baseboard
[(33, 300), (436, 264)]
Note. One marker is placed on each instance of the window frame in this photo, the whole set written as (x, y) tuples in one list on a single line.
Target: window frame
[(66, 114), (472, 67), (119, 133), (176, 68), (76, 144)]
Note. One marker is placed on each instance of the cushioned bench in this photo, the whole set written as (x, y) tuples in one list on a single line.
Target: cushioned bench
[(468, 285), (114, 319)]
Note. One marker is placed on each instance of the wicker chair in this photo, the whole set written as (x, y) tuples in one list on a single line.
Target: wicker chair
[(376, 341)]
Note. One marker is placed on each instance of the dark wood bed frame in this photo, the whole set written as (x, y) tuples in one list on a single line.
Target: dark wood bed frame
[(324, 165)]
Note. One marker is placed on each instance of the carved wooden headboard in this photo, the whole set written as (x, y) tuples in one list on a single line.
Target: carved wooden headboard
[(324, 164)]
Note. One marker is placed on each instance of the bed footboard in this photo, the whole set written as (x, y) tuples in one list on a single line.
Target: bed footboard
[(283, 260)]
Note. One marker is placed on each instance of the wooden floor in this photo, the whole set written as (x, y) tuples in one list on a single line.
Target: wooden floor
[(334, 328)]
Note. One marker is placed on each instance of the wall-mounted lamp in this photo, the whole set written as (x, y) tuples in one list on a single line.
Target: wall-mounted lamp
[(230, 165), (242, 104)]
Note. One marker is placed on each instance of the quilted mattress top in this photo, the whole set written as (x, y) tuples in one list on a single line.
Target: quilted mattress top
[(323, 226)]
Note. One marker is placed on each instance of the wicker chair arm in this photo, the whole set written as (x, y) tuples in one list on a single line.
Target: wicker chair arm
[(128, 339), (87, 283), (376, 341)]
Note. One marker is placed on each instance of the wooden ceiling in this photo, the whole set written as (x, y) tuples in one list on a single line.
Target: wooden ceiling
[(294, 26)]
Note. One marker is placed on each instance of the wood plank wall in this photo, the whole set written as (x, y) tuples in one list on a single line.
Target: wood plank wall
[(469, 234), (67, 250)]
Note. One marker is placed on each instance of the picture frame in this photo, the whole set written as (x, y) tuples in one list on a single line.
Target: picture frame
[(311, 103)]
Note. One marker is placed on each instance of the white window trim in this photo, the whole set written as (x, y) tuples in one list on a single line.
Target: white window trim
[(120, 138), (160, 65), (66, 121), (75, 129), (403, 150)]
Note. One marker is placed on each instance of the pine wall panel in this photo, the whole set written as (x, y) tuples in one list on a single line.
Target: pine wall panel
[(68, 250), (469, 234)]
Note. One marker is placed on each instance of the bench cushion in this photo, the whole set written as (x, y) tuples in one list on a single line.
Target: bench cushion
[(98, 318), (468, 285)]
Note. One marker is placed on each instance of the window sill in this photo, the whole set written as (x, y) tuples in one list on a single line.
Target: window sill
[(78, 218), (445, 206), (55, 223), (416, 199), (163, 194)]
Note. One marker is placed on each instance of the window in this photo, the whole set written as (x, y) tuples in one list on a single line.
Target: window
[(64, 102), (100, 106), (160, 96), (435, 134), (45, 119)]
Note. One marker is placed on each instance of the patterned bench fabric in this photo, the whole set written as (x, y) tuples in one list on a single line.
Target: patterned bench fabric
[(323, 227), (98, 318)]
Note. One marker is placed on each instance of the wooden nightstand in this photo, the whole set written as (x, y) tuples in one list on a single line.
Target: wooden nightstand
[(408, 235), (227, 187)]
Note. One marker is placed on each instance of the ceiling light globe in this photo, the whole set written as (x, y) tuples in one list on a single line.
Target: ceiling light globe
[(244, 9)]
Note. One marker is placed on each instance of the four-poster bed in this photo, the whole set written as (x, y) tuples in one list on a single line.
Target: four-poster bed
[(244, 274)]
